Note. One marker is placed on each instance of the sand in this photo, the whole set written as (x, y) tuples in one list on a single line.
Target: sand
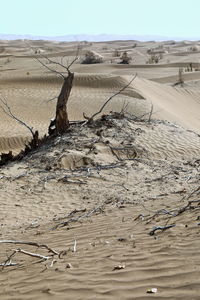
[(95, 194)]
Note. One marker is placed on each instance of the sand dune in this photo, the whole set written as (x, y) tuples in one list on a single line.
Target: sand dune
[(173, 104), (178, 105), (118, 235), (95, 194)]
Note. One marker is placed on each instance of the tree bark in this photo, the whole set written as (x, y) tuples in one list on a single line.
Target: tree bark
[(61, 120)]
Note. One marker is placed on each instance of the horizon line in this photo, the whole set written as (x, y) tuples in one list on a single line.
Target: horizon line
[(105, 36)]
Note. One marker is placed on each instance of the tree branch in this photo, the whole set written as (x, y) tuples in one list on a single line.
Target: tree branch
[(52, 70), (8, 112), (58, 63), (110, 98)]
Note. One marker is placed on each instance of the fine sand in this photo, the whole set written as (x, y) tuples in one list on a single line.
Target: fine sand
[(96, 194)]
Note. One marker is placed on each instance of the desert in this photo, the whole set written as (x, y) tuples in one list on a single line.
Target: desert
[(110, 209)]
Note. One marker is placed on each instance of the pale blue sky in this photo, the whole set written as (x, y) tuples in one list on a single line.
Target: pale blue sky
[(171, 18)]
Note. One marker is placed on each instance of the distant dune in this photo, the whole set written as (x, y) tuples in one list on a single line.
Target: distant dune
[(89, 37)]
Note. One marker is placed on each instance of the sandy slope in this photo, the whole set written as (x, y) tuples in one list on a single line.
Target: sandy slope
[(178, 105), (109, 184), (147, 179)]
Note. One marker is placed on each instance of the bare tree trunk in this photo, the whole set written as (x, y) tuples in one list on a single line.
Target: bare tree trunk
[(61, 120)]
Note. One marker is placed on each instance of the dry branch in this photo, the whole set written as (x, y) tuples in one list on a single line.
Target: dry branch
[(163, 228), (110, 98), (87, 214), (7, 110), (8, 260), (67, 68), (50, 69), (30, 244), (43, 257), (8, 264)]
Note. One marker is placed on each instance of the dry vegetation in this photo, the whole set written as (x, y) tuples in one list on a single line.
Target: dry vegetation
[(92, 57)]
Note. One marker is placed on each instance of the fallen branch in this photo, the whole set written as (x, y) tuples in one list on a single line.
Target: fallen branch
[(43, 257), (30, 244), (87, 214), (152, 232), (186, 207), (8, 260)]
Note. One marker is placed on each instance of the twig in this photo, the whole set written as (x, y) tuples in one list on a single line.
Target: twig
[(160, 228), (57, 63), (48, 100), (50, 69), (52, 263), (87, 214), (61, 64), (186, 207), (30, 244), (8, 259)]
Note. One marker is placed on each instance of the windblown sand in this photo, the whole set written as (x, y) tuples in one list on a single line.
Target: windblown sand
[(96, 194)]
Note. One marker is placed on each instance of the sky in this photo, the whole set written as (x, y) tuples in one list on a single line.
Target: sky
[(170, 18)]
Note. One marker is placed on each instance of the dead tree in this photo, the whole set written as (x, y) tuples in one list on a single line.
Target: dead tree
[(61, 119), (60, 124)]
